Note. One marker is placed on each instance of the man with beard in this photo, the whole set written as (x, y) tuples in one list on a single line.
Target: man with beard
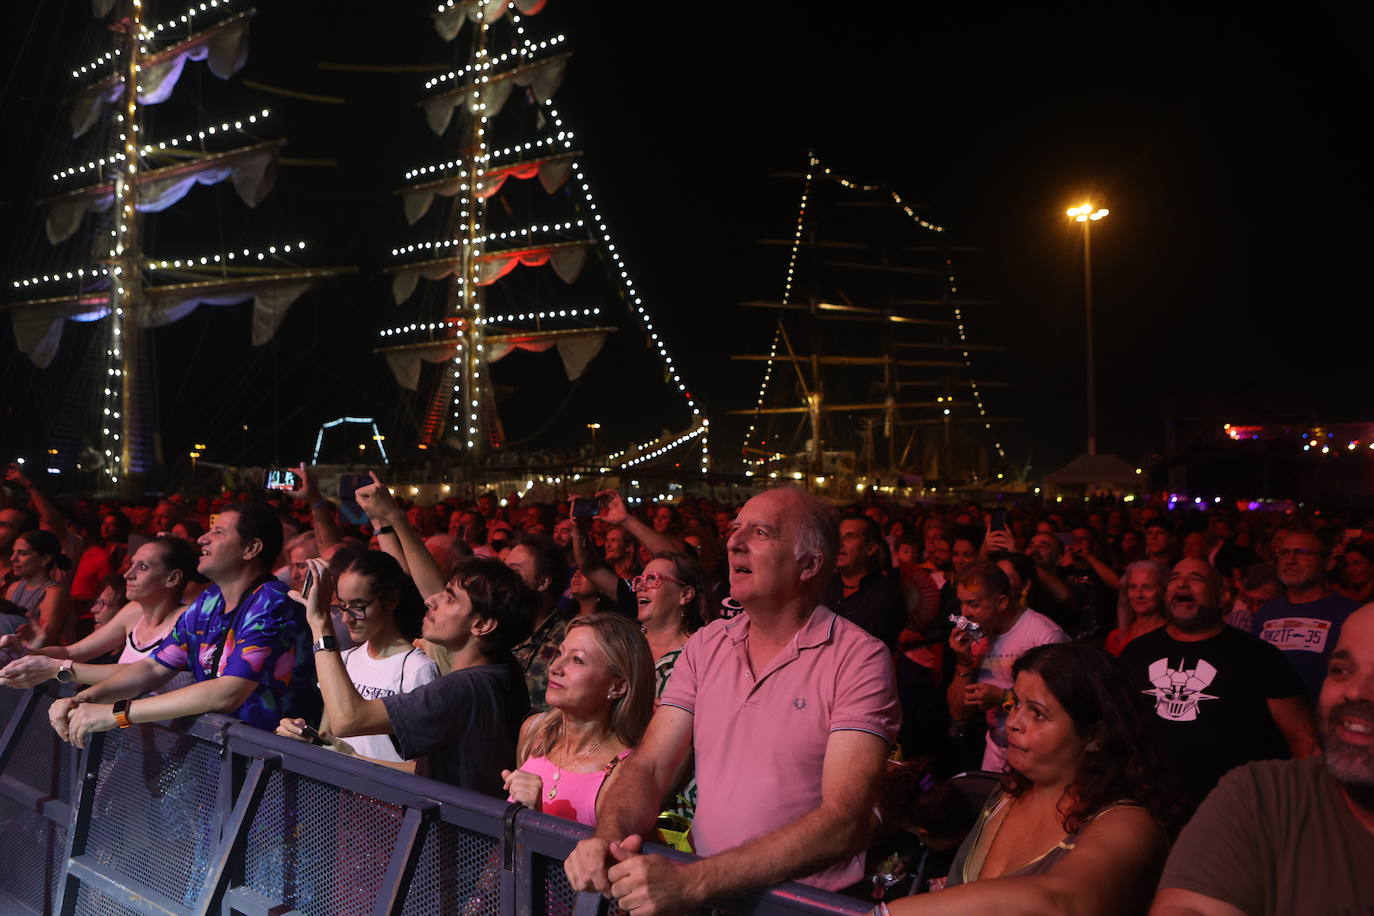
[(1291, 837), (1305, 623), (860, 591), (1217, 697)]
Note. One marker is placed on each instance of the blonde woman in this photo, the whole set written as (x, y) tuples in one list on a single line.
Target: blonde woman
[(600, 697)]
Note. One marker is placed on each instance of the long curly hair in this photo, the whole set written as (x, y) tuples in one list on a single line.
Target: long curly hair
[(1122, 762)]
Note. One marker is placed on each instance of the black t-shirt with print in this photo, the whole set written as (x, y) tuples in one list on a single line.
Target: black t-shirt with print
[(1206, 702)]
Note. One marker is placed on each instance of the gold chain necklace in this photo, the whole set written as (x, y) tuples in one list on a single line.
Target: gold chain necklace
[(559, 772)]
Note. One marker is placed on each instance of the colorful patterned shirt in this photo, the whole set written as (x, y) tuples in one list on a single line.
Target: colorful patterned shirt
[(260, 640), (539, 651)]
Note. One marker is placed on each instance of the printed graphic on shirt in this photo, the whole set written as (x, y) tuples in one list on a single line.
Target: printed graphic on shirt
[(368, 692), (1297, 634), (1178, 691)]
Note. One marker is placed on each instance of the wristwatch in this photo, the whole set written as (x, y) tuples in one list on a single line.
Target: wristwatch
[(121, 713), (65, 674), (326, 643)]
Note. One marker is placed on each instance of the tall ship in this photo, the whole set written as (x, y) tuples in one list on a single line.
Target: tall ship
[(520, 337), (120, 266), (870, 373)]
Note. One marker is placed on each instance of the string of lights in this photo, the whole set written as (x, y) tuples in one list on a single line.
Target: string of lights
[(952, 287), (103, 59), (489, 237), (564, 137), (497, 319), (164, 144), (246, 254), (191, 13), (78, 274), (487, 62), (811, 163), (631, 292)]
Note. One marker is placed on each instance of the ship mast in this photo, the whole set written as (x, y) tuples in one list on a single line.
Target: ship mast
[(127, 257), (468, 415)]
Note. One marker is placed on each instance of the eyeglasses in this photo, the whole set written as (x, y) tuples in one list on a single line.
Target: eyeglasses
[(651, 580), (352, 611), (1297, 553)]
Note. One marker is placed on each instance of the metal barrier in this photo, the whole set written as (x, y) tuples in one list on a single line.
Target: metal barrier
[(209, 816)]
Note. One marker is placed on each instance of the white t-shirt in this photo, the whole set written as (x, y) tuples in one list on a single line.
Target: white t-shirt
[(375, 678), (1030, 630)]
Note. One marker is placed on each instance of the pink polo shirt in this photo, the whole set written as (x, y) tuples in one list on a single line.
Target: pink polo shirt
[(760, 742)]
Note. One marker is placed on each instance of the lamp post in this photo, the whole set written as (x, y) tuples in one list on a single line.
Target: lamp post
[(594, 427), (1087, 214)]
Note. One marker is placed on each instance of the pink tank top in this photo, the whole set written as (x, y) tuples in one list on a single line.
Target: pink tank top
[(576, 796)]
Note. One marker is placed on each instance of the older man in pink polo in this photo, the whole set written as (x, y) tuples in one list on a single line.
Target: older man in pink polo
[(790, 710)]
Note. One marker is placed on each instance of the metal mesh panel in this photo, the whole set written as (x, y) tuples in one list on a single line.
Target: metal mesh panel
[(552, 887), (37, 761), (9, 700), (27, 841), (93, 903), (155, 809), (319, 848), (459, 874)]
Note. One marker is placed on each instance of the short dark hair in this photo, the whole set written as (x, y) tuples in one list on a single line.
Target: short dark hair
[(1024, 565), (873, 532), (259, 522), (497, 594), (986, 576), (178, 553), (549, 559)]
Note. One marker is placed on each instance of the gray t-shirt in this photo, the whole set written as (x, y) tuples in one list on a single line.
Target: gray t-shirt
[(467, 722), (1276, 837)]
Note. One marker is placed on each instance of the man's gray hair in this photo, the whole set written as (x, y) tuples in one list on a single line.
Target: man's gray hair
[(818, 532)]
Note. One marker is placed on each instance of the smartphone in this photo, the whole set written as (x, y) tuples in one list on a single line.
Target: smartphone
[(309, 582), (352, 513), (309, 731), (999, 520), (281, 479), (1065, 538), (584, 506)]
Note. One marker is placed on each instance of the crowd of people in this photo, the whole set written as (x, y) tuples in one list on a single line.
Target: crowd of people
[(1100, 706)]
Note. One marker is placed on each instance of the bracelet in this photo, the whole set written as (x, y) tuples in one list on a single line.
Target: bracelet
[(121, 713), (386, 529)]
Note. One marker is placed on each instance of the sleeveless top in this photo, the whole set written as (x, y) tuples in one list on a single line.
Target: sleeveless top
[(29, 598), (961, 873), (576, 798), (133, 651)]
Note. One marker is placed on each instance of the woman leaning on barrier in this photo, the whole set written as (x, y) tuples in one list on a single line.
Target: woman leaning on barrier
[(600, 697), (157, 577), (383, 612)]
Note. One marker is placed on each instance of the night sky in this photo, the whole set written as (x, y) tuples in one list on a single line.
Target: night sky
[(1232, 153)]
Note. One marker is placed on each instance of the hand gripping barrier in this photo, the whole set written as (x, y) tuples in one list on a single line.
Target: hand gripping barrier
[(209, 816)]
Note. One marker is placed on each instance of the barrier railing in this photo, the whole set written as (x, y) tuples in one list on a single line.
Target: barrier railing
[(209, 816)]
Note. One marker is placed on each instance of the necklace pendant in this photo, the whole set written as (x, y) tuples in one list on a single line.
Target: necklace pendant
[(553, 793)]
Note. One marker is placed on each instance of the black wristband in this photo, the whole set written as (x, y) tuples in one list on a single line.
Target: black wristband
[(386, 529)]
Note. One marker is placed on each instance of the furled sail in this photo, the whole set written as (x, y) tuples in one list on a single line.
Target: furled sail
[(566, 258), (224, 45), (542, 77), (448, 22), (253, 170), (576, 348), (553, 172)]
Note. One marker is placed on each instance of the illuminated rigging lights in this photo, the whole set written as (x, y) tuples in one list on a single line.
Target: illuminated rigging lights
[(210, 131)]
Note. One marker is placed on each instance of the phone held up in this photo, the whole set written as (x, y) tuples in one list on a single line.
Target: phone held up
[(281, 479), (584, 507)]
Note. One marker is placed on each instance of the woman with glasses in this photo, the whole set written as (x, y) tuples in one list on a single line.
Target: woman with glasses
[(670, 602), (383, 612), (600, 699)]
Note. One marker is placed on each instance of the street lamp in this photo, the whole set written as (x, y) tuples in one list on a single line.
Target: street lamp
[(593, 427), (1087, 214)]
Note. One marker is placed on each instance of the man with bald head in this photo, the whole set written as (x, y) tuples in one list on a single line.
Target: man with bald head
[(1291, 837), (1216, 697), (789, 711)]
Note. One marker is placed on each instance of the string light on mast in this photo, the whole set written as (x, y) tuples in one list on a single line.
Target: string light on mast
[(811, 164)]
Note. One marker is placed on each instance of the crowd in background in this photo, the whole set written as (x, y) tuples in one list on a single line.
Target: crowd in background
[(523, 649)]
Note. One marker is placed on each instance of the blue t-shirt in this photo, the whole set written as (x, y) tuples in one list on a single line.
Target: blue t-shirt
[(260, 640), (1305, 633)]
